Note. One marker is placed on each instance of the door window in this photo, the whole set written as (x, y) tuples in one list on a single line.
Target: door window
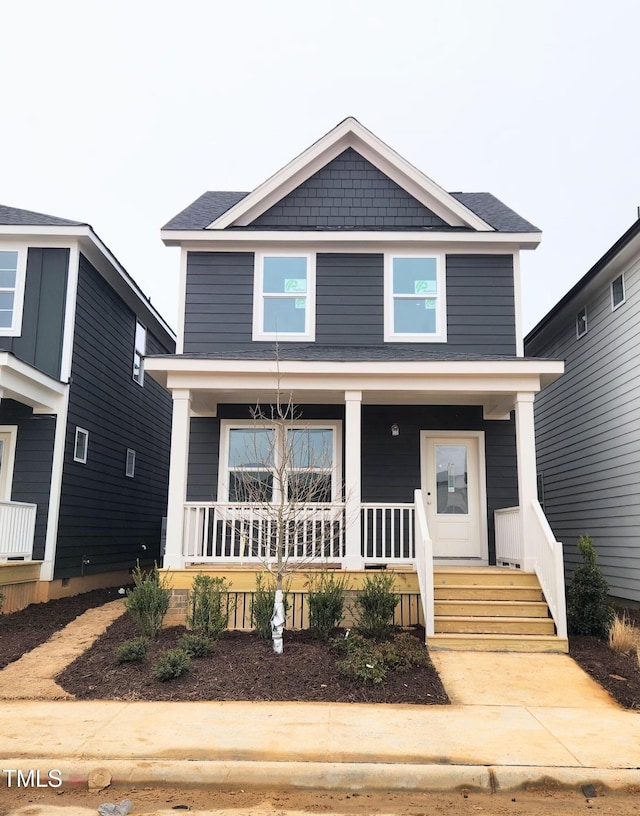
[(451, 479)]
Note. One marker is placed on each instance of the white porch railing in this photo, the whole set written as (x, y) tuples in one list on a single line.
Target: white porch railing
[(17, 528), (388, 533), (542, 550), (424, 563), (236, 532)]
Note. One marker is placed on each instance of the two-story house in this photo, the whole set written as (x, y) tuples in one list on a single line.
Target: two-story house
[(84, 434), (388, 311), (588, 422)]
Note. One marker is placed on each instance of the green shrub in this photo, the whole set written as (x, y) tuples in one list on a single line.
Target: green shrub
[(370, 660), (349, 643), (196, 644), (148, 601), (209, 604), (375, 606), (326, 603), (403, 652), (588, 609), (171, 664), (262, 603), (132, 651), (363, 662)]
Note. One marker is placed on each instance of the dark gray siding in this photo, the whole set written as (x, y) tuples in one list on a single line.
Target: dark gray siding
[(104, 514), (348, 192), (390, 465), (350, 303), (33, 462), (588, 431), (40, 343)]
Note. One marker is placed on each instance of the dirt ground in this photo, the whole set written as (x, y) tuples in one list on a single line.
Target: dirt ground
[(546, 801)]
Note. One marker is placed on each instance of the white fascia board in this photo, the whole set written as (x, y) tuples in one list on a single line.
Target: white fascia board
[(216, 240), (349, 133), (25, 384), (35, 230)]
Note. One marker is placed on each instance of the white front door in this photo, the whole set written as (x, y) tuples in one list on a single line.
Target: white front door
[(453, 488)]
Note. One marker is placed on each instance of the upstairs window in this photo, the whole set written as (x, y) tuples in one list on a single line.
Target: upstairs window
[(415, 299), (12, 272), (140, 349), (617, 292), (81, 446), (284, 297), (130, 463), (581, 322)]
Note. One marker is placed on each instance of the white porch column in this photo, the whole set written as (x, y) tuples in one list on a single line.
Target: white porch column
[(177, 478), (352, 479), (527, 482)]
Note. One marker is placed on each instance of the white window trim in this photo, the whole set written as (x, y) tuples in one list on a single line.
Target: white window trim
[(77, 458), (130, 458), (140, 379), (440, 335), (15, 329), (227, 425), (615, 306), (309, 333), (580, 334), (10, 436)]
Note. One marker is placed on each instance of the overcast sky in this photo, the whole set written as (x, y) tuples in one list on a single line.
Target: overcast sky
[(121, 113)]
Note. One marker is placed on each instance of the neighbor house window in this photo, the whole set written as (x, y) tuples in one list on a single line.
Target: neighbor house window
[(305, 453), (415, 299), (81, 446), (581, 322), (12, 273), (617, 292), (140, 349), (130, 465), (284, 297)]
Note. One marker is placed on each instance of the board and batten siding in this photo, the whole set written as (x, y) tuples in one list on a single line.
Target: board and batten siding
[(105, 516), (390, 464), (588, 432), (350, 303), (43, 315)]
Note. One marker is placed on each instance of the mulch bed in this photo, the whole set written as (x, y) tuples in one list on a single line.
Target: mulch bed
[(241, 667), (24, 630), (617, 673)]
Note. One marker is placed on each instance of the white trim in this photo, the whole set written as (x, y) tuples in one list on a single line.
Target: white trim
[(79, 457), (55, 489), (26, 384), (482, 481), (182, 299), (227, 425), (615, 306), (259, 333), (353, 480), (517, 296), (178, 470), (527, 471), (21, 249), (349, 133), (440, 335), (230, 241), (10, 434), (130, 463), (580, 334), (70, 312)]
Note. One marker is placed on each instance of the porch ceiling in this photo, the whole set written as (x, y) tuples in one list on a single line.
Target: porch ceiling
[(21, 382)]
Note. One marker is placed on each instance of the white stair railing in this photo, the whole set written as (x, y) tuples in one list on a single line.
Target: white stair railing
[(17, 528), (424, 563), (549, 566), (509, 547)]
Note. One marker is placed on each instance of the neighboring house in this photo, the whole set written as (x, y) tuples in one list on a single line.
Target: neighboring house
[(588, 422), (84, 434), (395, 307)]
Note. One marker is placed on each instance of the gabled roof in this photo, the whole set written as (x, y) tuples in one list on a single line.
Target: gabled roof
[(16, 217)]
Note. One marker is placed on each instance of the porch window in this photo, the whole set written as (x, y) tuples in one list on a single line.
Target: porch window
[(415, 309), (284, 297), (12, 273), (262, 461)]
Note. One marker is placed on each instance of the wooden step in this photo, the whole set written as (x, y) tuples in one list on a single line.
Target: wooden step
[(483, 608), (498, 643), (490, 592), (483, 576), (460, 624)]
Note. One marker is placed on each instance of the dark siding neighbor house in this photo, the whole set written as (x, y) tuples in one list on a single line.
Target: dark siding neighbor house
[(84, 435), (386, 311), (588, 422)]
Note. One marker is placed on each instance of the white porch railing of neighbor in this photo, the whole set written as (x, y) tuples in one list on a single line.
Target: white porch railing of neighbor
[(508, 539), (17, 528), (242, 533), (424, 563), (387, 533), (543, 551)]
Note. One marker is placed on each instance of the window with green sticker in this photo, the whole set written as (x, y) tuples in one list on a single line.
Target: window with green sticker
[(414, 307), (284, 291)]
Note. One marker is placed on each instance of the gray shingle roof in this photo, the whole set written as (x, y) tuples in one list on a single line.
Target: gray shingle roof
[(24, 218), (213, 204)]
